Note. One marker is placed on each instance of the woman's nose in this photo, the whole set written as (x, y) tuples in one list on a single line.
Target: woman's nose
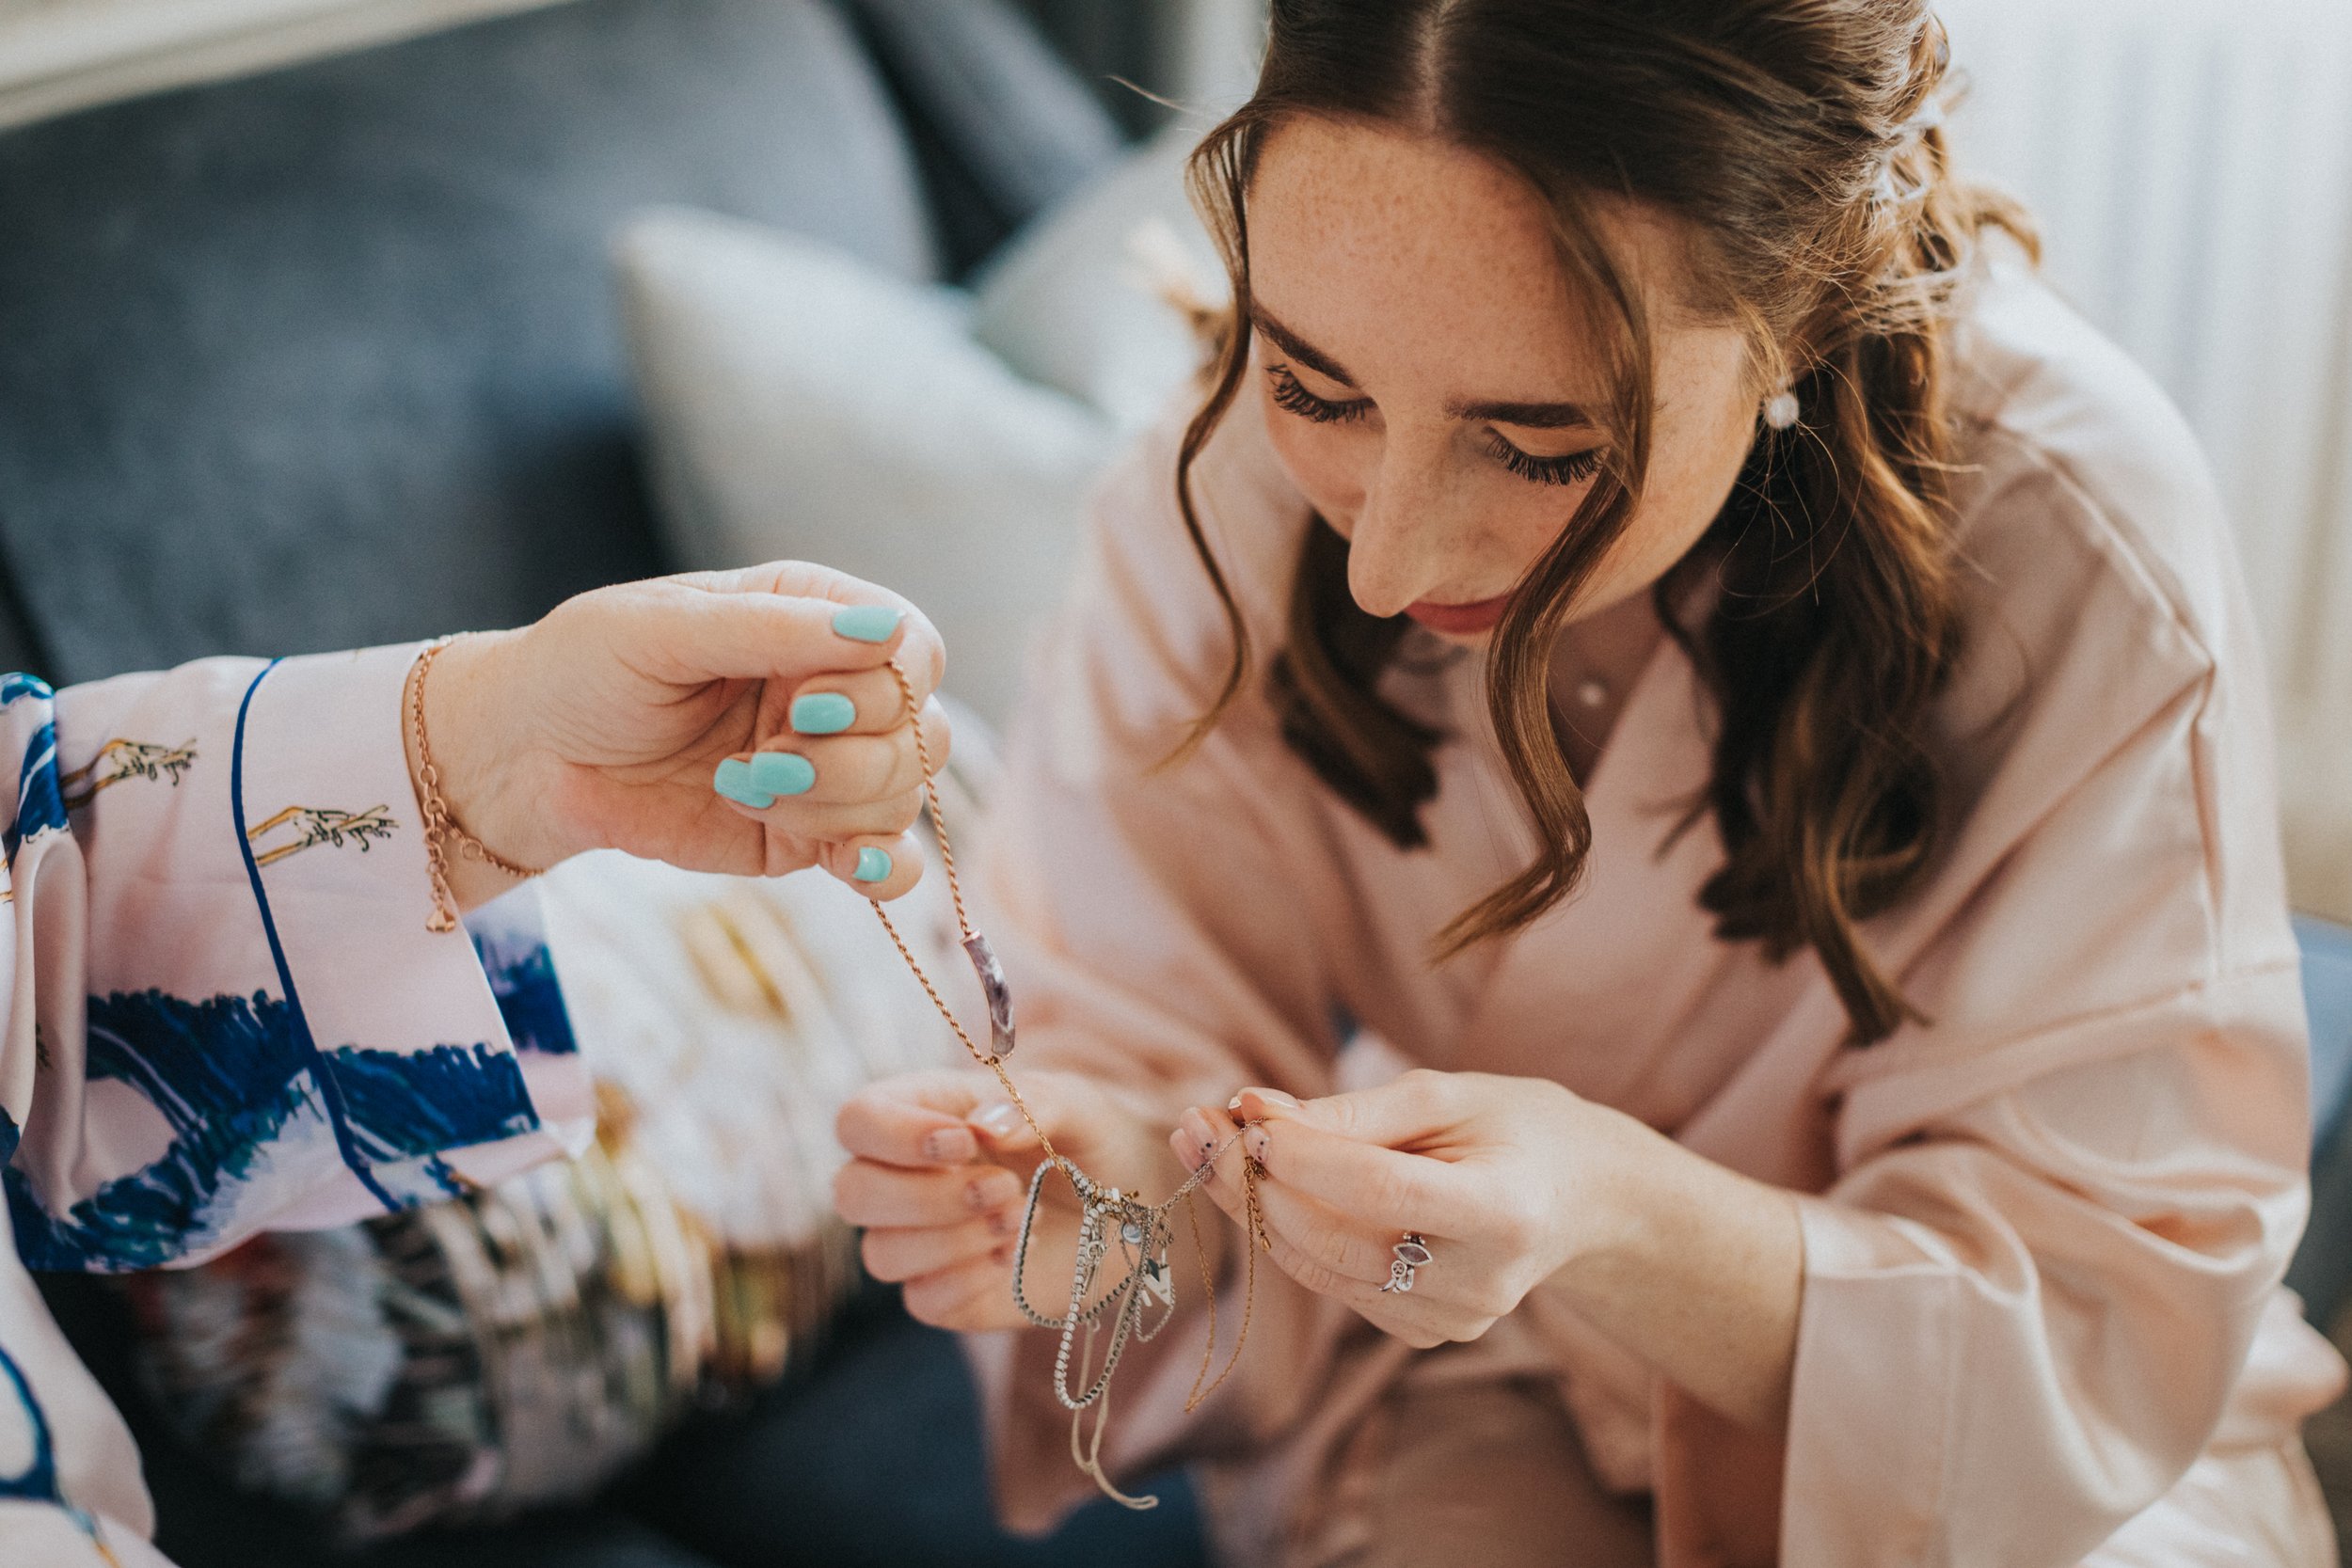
[(1407, 540)]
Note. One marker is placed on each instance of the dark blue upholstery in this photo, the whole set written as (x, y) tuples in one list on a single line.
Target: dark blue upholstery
[(2323, 1266), (2327, 997), (328, 357)]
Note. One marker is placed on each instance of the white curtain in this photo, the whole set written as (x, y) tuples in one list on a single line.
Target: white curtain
[(2190, 162)]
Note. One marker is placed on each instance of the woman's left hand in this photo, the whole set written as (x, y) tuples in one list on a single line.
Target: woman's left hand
[(1503, 1178), (745, 722)]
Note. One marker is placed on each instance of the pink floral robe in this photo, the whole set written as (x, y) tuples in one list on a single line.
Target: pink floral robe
[(225, 1013)]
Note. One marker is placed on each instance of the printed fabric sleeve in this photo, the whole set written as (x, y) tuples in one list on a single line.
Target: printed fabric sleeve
[(225, 1013)]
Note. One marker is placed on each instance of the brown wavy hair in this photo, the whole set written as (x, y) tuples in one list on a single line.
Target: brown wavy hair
[(1797, 141)]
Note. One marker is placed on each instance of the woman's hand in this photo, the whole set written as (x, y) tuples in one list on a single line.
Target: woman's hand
[(1516, 1182), (672, 719), (1493, 1172), (939, 1171)]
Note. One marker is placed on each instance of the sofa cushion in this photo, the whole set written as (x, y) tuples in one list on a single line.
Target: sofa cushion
[(1006, 129), (1080, 300), (327, 357), (802, 403)]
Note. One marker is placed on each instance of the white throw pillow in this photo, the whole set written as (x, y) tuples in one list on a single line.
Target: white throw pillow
[(1077, 300), (801, 404)]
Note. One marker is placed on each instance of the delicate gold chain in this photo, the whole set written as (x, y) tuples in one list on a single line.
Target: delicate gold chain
[(1089, 1457), (988, 1059), (440, 828)]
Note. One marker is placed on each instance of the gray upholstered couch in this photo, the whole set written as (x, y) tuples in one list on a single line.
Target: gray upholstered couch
[(329, 355)]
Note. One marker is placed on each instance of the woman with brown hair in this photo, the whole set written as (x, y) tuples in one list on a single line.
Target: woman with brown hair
[(1661, 624)]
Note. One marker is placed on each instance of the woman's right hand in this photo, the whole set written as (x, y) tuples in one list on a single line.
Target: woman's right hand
[(939, 1171)]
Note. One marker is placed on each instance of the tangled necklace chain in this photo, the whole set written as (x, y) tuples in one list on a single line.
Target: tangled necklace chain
[(1109, 1219)]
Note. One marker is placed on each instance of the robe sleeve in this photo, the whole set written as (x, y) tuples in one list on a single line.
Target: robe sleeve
[(2061, 1202), (225, 1012)]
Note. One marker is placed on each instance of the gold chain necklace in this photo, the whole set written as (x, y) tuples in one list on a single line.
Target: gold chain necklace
[(1109, 1219)]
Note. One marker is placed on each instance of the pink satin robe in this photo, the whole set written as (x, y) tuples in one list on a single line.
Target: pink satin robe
[(2043, 1233)]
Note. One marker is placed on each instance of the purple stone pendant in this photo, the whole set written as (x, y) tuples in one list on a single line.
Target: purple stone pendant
[(992, 986)]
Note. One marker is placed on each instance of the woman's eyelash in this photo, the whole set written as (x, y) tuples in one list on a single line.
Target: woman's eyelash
[(1573, 468), (1289, 394)]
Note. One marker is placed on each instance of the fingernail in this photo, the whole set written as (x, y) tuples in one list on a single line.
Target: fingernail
[(873, 866), (950, 1146), (1196, 1130), (783, 774), (866, 622), (1000, 1120), (1270, 1097), (1001, 1222), (1234, 1103), (733, 780), (822, 713), (1257, 1143), (985, 1193)]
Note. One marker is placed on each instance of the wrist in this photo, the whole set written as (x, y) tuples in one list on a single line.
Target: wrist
[(451, 716), (1618, 1201)]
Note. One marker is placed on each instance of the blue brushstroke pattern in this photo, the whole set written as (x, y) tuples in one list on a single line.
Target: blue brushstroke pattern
[(22, 684), (9, 1135), (530, 998), (227, 1074), (40, 803), (403, 1107), (38, 1484)]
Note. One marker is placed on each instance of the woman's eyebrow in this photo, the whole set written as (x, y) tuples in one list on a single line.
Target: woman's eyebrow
[(1530, 416), (1300, 349)]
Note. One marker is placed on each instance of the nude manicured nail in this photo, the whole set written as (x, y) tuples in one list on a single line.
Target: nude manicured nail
[(1257, 1143), (1194, 1130), (1269, 1097), (985, 1193), (950, 1146), (1000, 1120)]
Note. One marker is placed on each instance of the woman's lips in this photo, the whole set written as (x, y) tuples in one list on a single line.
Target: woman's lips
[(1460, 620)]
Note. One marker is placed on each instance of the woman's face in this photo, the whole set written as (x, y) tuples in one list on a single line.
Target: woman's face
[(1431, 388)]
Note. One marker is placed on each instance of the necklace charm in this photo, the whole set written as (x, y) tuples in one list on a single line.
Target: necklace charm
[(993, 987), (1158, 1281)]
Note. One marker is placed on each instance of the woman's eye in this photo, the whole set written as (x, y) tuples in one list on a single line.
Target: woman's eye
[(1291, 395), (1573, 468)]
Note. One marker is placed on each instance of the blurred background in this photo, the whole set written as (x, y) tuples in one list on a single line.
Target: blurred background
[(332, 321)]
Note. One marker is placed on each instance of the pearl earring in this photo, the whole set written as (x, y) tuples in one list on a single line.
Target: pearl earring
[(1781, 409)]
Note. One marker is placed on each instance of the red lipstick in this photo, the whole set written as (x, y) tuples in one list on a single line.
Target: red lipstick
[(1460, 620)]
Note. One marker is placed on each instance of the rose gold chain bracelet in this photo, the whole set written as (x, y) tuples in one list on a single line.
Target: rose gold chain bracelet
[(441, 828)]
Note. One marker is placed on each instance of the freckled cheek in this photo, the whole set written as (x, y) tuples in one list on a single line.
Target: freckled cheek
[(1331, 464)]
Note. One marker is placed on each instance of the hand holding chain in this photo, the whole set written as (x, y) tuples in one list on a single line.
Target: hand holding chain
[(1108, 1217)]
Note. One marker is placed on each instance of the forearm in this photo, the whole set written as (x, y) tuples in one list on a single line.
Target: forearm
[(1691, 1266)]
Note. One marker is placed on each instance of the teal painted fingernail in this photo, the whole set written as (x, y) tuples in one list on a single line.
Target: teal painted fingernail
[(866, 622), (735, 780), (823, 713), (783, 774), (873, 866)]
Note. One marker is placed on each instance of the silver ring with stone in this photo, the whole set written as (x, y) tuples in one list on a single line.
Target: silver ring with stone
[(1407, 1256)]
